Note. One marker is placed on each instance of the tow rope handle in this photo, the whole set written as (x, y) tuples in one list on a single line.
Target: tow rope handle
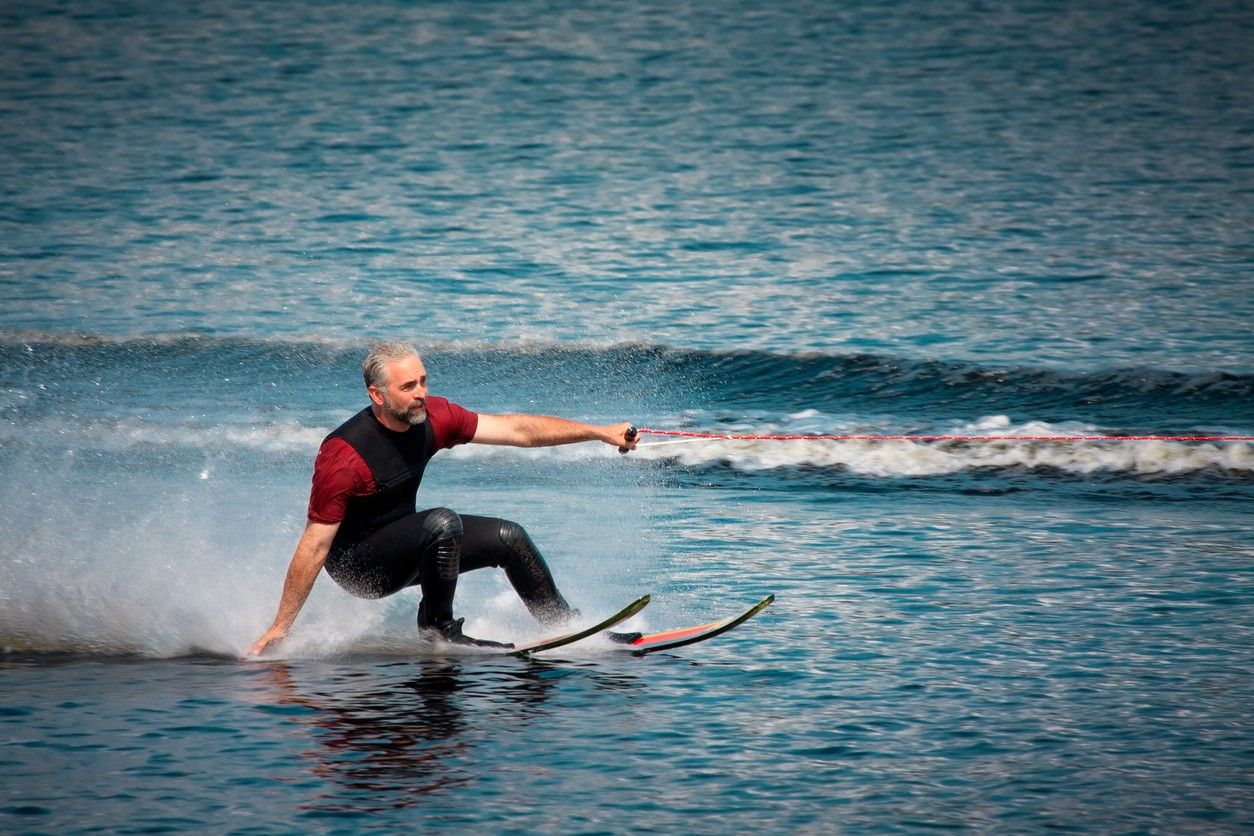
[(631, 436)]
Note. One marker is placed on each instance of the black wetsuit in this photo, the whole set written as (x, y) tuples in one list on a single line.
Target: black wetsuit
[(384, 545)]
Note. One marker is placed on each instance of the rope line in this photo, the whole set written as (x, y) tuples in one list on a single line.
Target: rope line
[(697, 436)]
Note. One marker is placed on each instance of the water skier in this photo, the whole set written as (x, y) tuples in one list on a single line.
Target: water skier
[(363, 525)]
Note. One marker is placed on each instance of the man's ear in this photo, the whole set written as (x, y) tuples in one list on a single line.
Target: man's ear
[(376, 397)]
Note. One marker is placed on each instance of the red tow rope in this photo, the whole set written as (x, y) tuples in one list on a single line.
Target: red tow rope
[(741, 437)]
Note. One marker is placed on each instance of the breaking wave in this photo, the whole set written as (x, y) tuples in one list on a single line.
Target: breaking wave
[(171, 395)]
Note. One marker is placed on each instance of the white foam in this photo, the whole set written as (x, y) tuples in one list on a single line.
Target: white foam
[(158, 560), (120, 434), (873, 458), (909, 458)]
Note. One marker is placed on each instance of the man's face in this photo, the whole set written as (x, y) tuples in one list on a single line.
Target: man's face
[(405, 396)]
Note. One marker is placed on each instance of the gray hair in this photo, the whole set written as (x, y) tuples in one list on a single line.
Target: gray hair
[(374, 369)]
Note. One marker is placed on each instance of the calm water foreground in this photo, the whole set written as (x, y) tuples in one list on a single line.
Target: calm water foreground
[(932, 663)]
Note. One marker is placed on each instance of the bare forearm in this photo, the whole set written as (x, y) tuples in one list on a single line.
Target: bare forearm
[(311, 553), (548, 431), (301, 574)]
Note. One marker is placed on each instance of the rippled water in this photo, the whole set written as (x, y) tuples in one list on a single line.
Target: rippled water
[(1020, 183), (964, 669), (903, 218)]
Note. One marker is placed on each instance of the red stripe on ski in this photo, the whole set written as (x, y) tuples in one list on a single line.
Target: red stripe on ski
[(671, 639), (680, 633)]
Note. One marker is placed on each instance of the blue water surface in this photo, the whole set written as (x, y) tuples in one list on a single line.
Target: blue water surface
[(858, 218)]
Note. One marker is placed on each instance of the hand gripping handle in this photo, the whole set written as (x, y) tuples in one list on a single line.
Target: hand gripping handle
[(631, 435)]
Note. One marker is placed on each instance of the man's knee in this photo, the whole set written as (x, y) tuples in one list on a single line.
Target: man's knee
[(514, 537), (443, 524), (522, 558)]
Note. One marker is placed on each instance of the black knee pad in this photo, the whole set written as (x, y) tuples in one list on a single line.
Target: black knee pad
[(515, 537), (443, 524), (446, 531)]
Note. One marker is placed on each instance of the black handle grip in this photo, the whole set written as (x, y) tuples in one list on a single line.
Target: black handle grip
[(631, 436)]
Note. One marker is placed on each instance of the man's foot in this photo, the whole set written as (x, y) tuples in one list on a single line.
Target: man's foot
[(622, 638), (451, 632)]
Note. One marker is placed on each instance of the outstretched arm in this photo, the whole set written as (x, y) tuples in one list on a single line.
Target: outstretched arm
[(546, 431), (311, 553)]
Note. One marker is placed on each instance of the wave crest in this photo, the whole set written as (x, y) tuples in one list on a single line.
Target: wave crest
[(903, 458)]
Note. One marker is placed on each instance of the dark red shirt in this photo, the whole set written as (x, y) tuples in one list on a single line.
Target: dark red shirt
[(340, 472)]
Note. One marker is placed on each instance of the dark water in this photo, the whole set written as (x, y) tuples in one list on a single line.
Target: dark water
[(919, 218)]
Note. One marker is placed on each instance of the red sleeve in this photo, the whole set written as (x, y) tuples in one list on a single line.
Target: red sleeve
[(452, 424), (339, 472)]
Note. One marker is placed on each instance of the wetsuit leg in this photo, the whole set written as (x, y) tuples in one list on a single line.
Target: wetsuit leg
[(490, 541), (440, 566), (423, 548)]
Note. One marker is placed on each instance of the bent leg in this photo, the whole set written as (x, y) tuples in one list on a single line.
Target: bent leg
[(441, 564), (490, 541), (423, 548)]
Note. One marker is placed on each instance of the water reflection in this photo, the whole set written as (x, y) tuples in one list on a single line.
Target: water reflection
[(390, 734)]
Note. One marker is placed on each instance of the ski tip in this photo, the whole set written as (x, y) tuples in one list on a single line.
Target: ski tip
[(672, 639), (635, 607), (570, 638)]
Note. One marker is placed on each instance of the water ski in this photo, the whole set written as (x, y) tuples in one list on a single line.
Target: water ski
[(671, 639), (569, 638)]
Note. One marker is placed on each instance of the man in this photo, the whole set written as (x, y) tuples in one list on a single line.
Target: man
[(362, 522)]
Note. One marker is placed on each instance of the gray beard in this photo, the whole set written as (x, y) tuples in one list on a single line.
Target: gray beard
[(411, 418)]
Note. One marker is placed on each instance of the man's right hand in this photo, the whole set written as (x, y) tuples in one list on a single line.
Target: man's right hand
[(274, 634), (311, 553)]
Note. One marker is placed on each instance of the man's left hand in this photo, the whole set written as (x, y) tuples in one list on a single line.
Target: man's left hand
[(625, 437)]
